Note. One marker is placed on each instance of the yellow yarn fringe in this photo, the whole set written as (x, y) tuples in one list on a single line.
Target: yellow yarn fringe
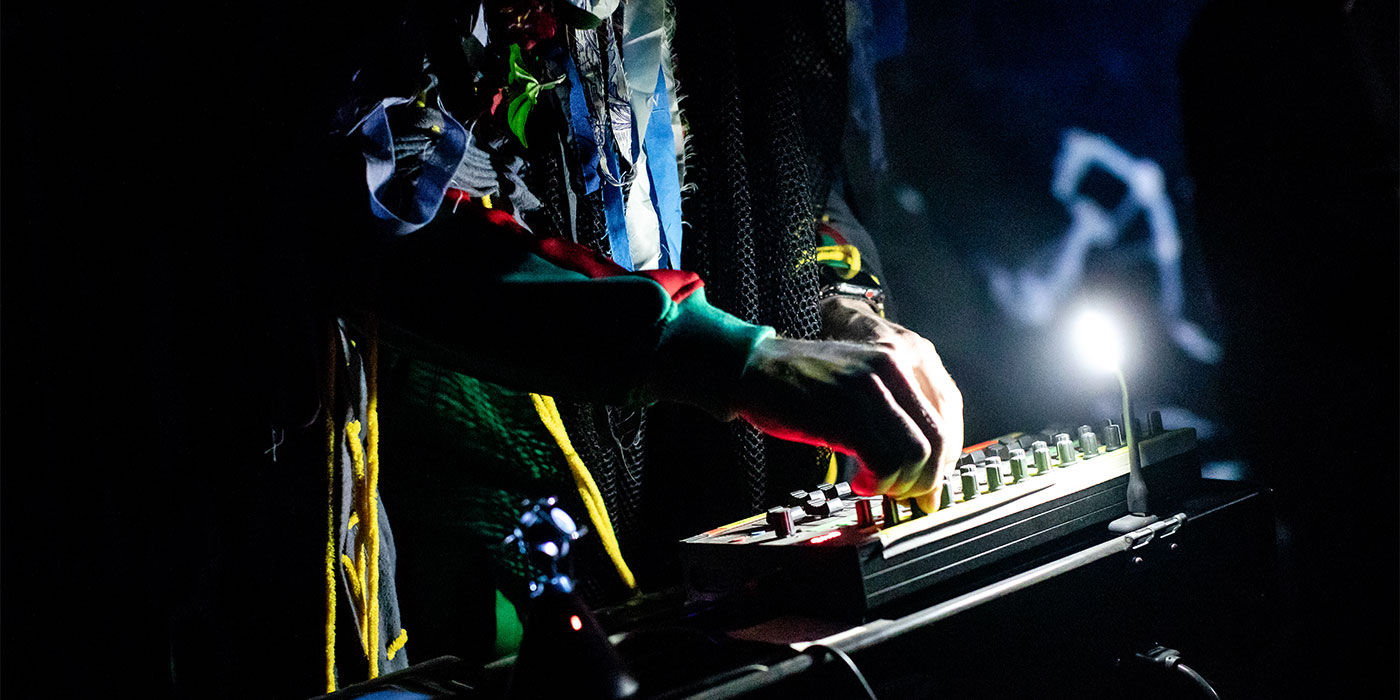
[(330, 509), (587, 488), (398, 644), (372, 490), (363, 570)]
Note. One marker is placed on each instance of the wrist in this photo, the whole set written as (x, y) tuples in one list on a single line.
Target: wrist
[(702, 356), (854, 320)]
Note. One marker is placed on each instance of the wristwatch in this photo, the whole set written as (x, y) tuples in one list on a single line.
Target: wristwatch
[(874, 296)]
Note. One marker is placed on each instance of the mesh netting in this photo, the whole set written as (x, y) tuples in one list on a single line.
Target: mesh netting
[(609, 439), (764, 100), (763, 128), (544, 174), (590, 226)]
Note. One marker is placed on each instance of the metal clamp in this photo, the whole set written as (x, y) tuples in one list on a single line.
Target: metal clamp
[(1162, 528)]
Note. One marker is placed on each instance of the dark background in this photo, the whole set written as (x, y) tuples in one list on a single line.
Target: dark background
[(975, 112), (153, 180)]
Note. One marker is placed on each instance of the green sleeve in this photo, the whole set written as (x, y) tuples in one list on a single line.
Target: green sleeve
[(701, 354), (490, 308)]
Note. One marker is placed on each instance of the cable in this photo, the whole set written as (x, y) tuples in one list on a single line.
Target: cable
[(1170, 659), (1200, 682), (860, 677)]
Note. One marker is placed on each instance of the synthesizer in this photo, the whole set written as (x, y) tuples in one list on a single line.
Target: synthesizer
[(831, 552)]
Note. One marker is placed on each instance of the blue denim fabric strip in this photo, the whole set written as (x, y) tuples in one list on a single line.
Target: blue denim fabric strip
[(665, 178), (439, 163), (616, 214), (582, 126)]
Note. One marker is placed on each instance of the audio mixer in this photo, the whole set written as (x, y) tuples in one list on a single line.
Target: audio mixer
[(830, 551)]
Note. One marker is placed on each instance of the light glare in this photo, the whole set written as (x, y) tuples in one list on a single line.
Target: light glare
[(1097, 342)]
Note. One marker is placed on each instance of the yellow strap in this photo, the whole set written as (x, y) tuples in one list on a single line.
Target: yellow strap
[(841, 253), (587, 488)]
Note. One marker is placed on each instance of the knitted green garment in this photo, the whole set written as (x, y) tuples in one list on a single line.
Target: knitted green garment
[(482, 446), (461, 456)]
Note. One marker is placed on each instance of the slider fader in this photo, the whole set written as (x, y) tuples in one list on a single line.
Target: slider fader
[(828, 550)]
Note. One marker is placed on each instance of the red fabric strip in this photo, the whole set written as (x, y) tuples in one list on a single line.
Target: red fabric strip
[(572, 256)]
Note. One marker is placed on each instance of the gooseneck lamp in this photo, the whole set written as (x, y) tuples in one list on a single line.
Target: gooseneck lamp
[(1098, 343)]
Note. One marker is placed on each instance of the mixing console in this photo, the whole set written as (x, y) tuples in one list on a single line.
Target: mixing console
[(831, 551)]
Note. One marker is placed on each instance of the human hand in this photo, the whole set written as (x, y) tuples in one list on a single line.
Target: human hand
[(864, 399), (849, 319)]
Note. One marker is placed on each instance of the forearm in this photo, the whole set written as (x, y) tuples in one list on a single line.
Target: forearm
[(538, 315)]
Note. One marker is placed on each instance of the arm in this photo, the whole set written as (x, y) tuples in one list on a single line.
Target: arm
[(469, 289), (475, 293)]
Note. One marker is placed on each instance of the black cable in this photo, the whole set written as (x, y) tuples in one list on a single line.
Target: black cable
[(1170, 659), (860, 677), (1200, 682)]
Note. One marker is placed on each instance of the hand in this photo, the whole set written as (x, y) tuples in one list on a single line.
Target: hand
[(854, 320), (860, 398)]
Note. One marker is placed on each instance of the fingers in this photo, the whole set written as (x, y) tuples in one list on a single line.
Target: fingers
[(937, 404), (938, 387), (928, 479), (866, 483), (928, 502), (861, 399), (933, 401), (885, 439), (916, 476), (896, 445)]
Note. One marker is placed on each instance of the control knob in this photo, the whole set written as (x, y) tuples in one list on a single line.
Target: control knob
[(780, 519), (1064, 449)]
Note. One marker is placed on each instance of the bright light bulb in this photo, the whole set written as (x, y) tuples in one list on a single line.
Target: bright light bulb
[(1097, 342)]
